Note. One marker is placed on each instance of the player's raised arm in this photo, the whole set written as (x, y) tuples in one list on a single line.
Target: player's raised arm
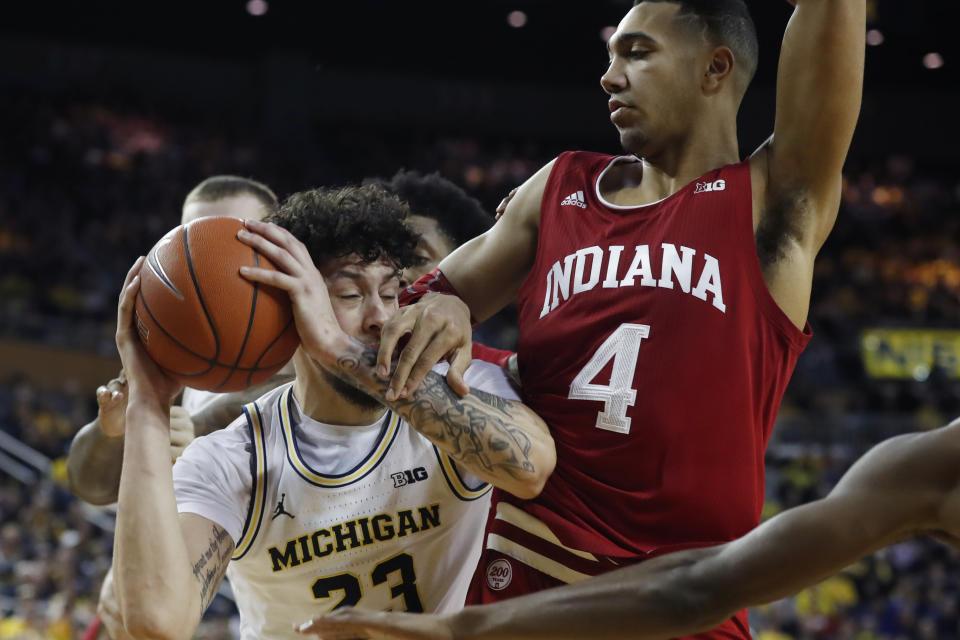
[(166, 567), (907, 485), (819, 91)]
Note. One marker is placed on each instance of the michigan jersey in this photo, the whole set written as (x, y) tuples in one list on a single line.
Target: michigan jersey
[(325, 516)]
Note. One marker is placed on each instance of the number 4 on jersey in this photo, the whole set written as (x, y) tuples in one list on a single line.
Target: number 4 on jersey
[(622, 346)]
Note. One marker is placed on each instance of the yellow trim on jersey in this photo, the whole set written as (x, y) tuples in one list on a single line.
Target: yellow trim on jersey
[(329, 481), (259, 490), (523, 520), (531, 558), (456, 483)]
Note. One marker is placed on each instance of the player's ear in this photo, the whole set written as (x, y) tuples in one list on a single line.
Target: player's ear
[(718, 70)]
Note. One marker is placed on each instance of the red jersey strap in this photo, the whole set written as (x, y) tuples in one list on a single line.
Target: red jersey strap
[(492, 355), (433, 282), (436, 282)]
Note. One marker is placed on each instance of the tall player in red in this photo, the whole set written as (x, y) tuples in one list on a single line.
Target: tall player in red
[(663, 294)]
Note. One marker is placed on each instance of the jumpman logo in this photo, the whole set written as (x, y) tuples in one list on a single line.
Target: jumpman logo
[(280, 510)]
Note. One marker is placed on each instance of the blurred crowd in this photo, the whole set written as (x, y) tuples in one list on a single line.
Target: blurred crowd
[(85, 187)]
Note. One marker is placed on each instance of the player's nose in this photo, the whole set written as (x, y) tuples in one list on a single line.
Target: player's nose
[(377, 312), (614, 80)]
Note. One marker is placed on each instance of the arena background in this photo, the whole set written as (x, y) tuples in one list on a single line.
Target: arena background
[(110, 111)]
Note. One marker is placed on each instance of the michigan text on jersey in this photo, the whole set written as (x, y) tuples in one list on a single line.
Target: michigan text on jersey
[(352, 534)]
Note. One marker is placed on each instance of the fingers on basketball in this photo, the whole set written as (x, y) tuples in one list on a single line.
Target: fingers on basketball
[(203, 323)]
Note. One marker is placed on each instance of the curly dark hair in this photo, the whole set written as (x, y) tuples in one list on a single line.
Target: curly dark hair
[(459, 216), (339, 221)]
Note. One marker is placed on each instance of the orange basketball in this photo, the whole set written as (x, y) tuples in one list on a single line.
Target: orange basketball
[(201, 321)]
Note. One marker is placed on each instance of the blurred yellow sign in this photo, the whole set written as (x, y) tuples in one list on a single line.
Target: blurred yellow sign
[(910, 353)]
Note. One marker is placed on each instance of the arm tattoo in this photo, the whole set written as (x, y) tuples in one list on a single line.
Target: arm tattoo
[(478, 431), (211, 566)]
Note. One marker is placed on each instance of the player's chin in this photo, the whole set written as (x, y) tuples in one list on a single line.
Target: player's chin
[(634, 141)]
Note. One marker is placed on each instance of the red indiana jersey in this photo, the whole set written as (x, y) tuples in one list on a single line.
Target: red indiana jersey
[(650, 345)]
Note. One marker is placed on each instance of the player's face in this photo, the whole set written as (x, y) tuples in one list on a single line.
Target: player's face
[(653, 79), (363, 295), (243, 206), (432, 247)]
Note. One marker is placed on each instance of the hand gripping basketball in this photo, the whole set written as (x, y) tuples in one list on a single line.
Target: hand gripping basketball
[(296, 274), (200, 321), (145, 380)]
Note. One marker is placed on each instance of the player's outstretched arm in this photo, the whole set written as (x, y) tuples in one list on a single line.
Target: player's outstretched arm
[(907, 485), (167, 567), (486, 274), (819, 92), (499, 441), (797, 173)]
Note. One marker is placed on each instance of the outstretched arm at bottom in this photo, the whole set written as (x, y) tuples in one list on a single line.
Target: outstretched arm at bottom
[(905, 486)]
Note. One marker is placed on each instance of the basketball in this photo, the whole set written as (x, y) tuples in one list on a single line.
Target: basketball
[(201, 321)]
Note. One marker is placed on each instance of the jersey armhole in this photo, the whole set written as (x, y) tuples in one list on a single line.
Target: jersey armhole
[(456, 482), (795, 338), (258, 473)]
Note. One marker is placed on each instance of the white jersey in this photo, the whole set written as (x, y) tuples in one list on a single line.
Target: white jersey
[(325, 516)]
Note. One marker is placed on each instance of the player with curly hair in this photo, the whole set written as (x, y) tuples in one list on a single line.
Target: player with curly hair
[(444, 215), (322, 494)]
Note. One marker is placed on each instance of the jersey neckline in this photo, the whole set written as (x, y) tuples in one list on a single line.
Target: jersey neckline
[(632, 207), (390, 426)]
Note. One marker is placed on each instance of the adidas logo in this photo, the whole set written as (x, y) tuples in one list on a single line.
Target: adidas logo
[(574, 199)]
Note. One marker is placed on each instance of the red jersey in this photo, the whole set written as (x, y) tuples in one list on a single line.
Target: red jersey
[(499, 357), (650, 345)]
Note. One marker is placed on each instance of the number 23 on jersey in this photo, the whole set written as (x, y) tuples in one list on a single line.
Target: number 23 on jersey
[(397, 572)]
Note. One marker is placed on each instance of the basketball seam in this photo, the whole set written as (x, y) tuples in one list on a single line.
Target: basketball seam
[(246, 336), (196, 286), (211, 363)]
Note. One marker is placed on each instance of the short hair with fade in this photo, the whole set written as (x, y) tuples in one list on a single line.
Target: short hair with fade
[(334, 222), (725, 23), (217, 188), (459, 216)]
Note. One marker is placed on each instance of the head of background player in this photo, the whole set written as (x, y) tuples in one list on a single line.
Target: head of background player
[(678, 71), (231, 196), (359, 241), (442, 213)]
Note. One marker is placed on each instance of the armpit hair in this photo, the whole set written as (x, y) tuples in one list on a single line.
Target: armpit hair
[(782, 222)]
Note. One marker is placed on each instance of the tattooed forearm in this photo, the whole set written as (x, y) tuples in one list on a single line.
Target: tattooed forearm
[(212, 565), (490, 436), (479, 430)]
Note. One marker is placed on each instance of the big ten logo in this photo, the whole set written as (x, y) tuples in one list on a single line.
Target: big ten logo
[(403, 478), (499, 574), (717, 185)]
